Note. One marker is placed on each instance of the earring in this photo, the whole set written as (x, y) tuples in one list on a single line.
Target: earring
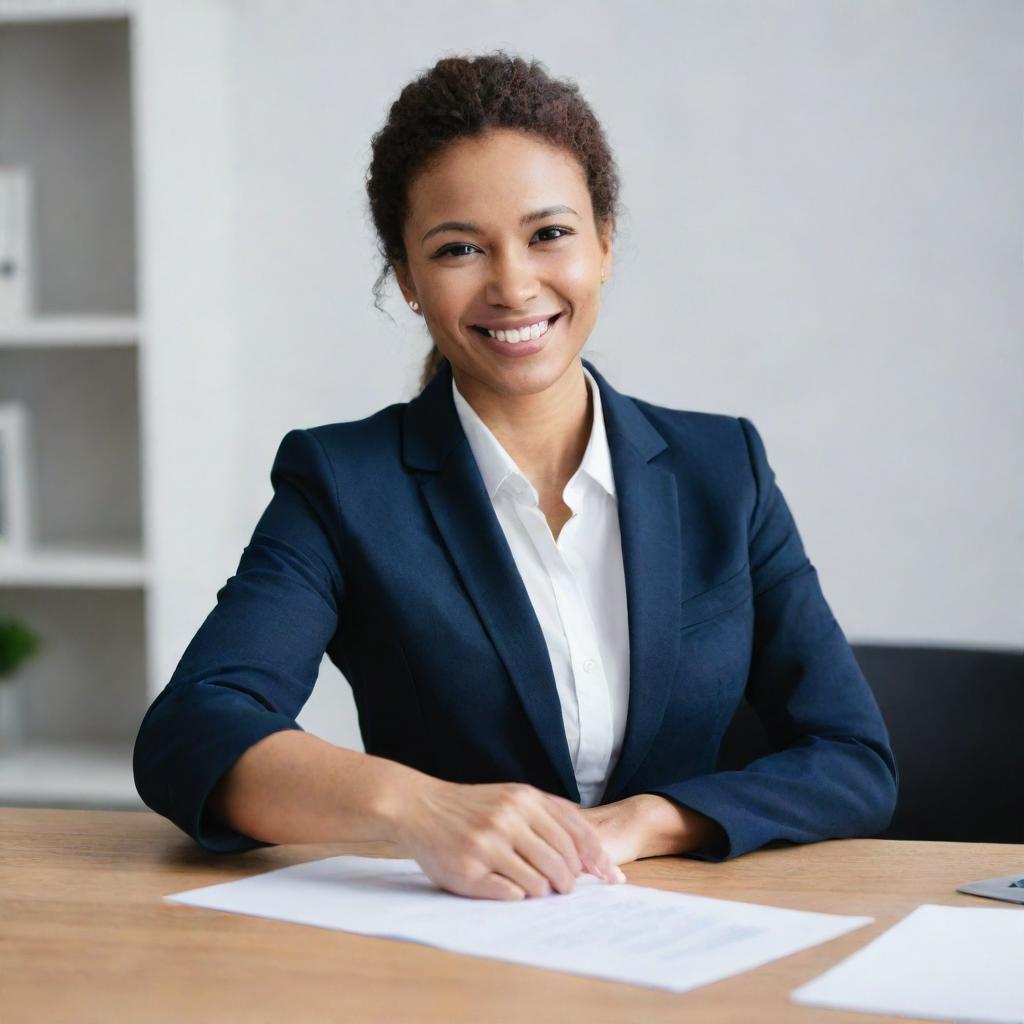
[(414, 306)]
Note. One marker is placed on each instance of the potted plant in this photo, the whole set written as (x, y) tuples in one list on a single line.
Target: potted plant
[(17, 642)]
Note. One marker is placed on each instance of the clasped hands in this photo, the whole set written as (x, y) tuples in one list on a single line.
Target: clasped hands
[(511, 840)]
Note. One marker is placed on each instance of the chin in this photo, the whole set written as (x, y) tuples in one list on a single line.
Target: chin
[(532, 376)]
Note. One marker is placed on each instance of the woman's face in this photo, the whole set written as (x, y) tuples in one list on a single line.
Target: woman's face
[(500, 232)]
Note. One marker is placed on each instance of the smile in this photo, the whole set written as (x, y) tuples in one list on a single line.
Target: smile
[(515, 337)]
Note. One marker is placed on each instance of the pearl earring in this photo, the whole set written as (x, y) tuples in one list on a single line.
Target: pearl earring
[(414, 306)]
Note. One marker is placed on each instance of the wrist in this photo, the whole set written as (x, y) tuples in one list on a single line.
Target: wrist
[(397, 789), (670, 828)]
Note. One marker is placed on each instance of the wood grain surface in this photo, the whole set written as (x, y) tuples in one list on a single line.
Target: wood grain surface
[(86, 936)]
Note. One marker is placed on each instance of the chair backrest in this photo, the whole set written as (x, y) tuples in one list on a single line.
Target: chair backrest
[(956, 724)]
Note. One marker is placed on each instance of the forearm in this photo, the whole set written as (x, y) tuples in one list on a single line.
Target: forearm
[(293, 787)]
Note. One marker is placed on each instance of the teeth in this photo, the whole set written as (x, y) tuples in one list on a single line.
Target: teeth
[(523, 334)]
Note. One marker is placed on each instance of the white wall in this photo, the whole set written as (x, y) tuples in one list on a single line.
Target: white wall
[(823, 233), (192, 374)]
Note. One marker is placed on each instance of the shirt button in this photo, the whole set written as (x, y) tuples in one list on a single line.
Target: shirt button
[(588, 665)]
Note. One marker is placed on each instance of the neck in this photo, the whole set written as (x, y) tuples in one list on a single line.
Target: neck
[(545, 433)]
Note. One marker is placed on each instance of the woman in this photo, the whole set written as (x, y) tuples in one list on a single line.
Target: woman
[(548, 597)]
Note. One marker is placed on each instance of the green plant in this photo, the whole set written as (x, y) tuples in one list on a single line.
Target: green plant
[(17, 642)]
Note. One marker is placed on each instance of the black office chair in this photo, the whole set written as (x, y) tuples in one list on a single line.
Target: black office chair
[(956, 725)]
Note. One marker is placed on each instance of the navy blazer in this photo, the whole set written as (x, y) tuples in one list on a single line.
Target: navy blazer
[(380, 546)]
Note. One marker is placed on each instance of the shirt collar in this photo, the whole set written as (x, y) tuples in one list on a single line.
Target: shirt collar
[(496, 465)]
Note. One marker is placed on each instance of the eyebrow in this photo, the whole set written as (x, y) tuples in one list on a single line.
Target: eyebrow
[(470, 228)]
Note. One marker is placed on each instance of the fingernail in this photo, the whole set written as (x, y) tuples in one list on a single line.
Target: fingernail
[(620, 874)]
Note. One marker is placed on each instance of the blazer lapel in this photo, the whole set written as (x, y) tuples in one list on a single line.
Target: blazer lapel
[(653, 559), (649, 522), (458, 501)]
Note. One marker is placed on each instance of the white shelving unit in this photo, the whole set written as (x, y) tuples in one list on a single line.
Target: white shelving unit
[(66, 113), (70, 331), (68, 567)]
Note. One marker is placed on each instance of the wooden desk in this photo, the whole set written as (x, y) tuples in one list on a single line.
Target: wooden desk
[(85, 935)]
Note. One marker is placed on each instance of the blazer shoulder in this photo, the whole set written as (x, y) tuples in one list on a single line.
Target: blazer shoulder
[(356, 454), (715, 447), (721, 454), (377, 427), (717, 433)]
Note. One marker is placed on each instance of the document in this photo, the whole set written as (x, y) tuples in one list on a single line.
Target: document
[(621, 932), (942, 963)]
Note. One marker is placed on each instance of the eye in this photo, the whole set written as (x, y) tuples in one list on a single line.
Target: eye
[(448, 250), (453, 249), (565, 231)]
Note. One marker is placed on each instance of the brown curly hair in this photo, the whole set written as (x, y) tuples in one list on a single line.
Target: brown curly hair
[(463, 97)]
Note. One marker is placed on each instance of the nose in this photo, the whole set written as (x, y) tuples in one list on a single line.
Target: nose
[(512, 282)]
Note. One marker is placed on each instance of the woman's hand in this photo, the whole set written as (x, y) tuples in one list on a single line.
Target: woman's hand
[(499, 841), (621, 828), (651, 825)]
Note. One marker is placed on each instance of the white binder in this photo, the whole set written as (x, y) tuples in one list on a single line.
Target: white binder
[(17, 272), (15, 480)]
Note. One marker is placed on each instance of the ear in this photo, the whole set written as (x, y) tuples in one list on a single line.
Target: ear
[(605, 238), (404, 279)]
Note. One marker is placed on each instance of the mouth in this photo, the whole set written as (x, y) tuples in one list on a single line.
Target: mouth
[(525, 334)]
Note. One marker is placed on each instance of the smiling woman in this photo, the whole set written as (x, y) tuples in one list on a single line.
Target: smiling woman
[(549, 597), (507, 270), (495, 193)]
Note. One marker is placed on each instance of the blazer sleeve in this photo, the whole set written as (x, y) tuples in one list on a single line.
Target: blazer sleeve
[(833, 774), (254, 660)]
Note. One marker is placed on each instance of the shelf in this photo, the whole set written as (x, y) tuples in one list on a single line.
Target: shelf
[(15, 11), (50, 331), (71, 357), (93, 565), (69, 773)]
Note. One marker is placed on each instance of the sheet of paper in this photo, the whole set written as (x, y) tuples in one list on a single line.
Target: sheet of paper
[(620, 932), (942, 963)]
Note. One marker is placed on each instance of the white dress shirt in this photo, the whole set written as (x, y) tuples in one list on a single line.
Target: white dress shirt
[(577, 587)]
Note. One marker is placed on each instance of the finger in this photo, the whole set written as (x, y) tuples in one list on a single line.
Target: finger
[(587, 840), (497, 887), (517, 869), (478, 882), (581, 831), (548, 825), (534, 848)]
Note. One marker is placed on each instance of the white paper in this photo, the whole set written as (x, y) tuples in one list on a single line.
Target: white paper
[(621, 932), (943, 963)]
